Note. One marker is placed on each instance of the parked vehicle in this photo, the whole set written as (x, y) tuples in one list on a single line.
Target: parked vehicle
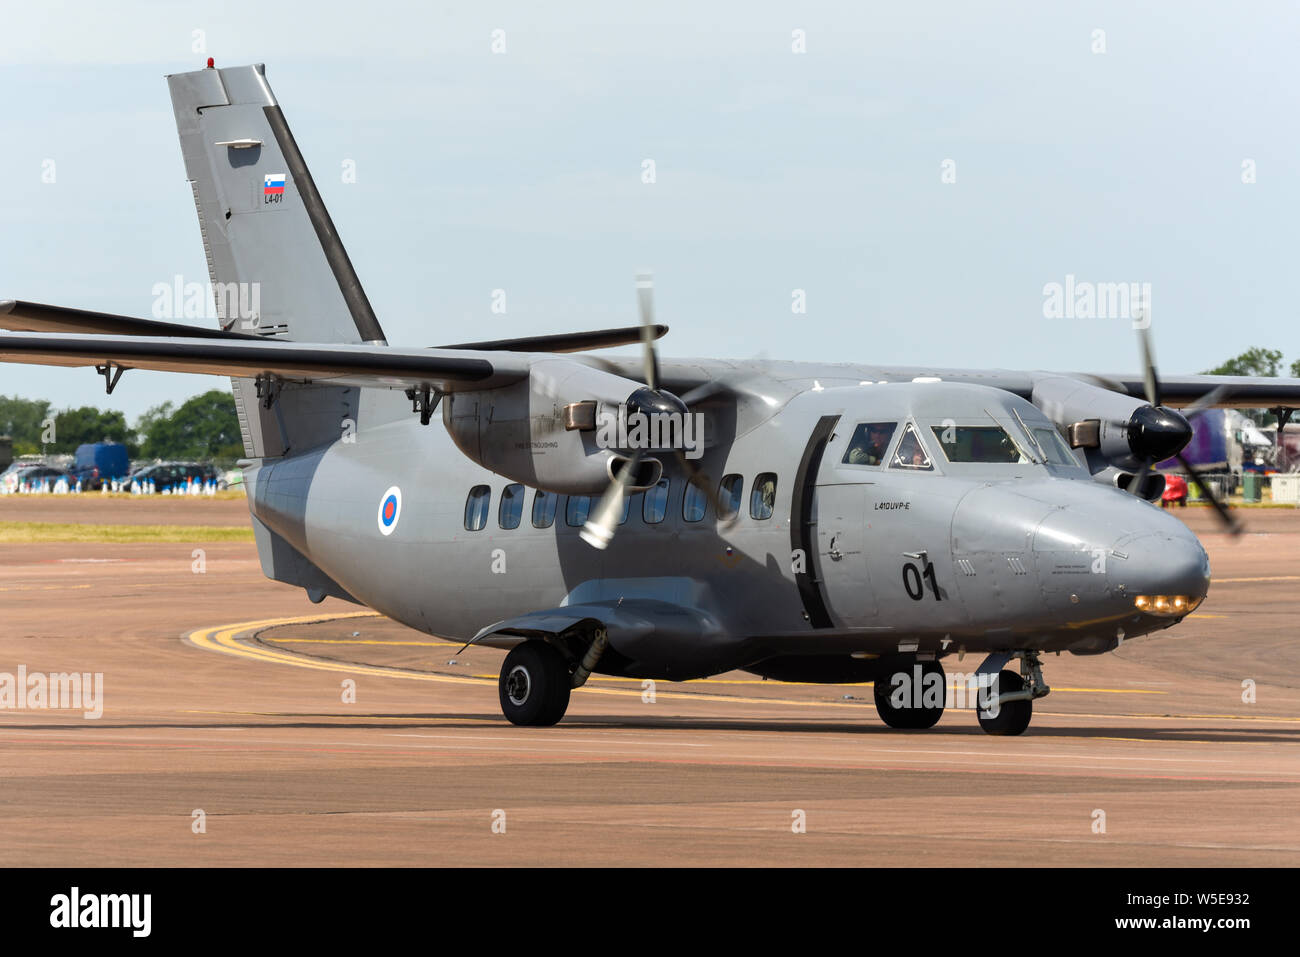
[(19, 476), (173, 476), (9, 477), (99, 462)]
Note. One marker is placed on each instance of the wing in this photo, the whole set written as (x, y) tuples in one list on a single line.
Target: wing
[(355, 365), (17, 315), (1238, 392)]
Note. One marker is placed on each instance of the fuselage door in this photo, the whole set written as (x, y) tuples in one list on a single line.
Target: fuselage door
[(841, 554)]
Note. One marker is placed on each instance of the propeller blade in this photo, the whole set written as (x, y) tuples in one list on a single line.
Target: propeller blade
[(706, 391), (598, 531), (1229, 522), (1140, 479), (645, 300), (1150, 378), (702, 481), (1207, 401)]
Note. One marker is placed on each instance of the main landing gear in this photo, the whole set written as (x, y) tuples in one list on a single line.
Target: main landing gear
[(538, 675), (912, 697), (534, 684)]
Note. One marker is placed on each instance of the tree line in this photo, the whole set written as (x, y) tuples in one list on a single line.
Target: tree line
[(205, 427), (1257, 361)]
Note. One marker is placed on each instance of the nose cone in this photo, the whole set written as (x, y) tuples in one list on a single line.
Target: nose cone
[(1165, 562)]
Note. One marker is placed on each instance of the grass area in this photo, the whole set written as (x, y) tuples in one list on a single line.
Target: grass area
[(18, 533), (226, 496)]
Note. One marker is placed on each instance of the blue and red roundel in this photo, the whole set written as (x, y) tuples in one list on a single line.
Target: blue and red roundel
[(390, 509)]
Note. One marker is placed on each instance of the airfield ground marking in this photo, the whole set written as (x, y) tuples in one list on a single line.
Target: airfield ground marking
[(1266, 578), (612, 678), (223, 639)]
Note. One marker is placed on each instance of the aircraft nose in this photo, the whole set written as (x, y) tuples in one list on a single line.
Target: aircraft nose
[(1168, 565)]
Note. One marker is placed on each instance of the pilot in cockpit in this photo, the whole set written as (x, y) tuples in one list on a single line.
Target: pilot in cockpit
[(869, 443)]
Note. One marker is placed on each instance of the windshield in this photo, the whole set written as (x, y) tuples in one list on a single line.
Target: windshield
[(1054, 447), (979, 443)]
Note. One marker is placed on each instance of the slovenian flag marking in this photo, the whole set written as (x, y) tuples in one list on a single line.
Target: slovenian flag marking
[(272, 184)]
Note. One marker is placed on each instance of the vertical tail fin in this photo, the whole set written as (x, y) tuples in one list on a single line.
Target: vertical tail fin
[(261, 215), (275, 262)]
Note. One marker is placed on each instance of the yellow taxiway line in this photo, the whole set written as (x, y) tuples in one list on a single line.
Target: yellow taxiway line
[(224, 639)]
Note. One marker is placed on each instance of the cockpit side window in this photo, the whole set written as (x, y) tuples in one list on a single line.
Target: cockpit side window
[(869, 443), (911, 454)]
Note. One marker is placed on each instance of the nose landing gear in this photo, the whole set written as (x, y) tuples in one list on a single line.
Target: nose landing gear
[(1008, 706)]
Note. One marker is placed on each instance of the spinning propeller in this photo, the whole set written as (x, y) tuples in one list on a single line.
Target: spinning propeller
[(652, 399), (1157, 433)]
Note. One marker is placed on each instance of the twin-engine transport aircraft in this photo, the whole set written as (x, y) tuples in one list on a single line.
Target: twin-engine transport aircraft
[(832, 522)]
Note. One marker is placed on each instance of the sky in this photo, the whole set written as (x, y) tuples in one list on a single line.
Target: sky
[(919, 171)]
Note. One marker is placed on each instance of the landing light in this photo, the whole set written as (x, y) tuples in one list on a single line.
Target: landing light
[(1166, 606)]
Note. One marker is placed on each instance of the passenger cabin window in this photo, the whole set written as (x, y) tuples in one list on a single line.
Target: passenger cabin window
[(729, 495), (763, 497), (476, 507), (627, 509), (869, 442), (511, 509), (989, 444), (694, 502), (911, 454), (654, 503), (576, 512), (544, 508)]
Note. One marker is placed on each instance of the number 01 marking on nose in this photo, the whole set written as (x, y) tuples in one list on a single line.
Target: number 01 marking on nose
[(912, 581)]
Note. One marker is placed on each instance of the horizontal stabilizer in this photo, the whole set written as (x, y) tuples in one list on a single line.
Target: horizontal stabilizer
[(566, 341), (19, 316)]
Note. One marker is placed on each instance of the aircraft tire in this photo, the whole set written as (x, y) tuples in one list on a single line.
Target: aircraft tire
[(534, 685), (1013, 717), (907, 719)]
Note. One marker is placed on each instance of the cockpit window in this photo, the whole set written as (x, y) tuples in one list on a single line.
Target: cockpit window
[(978, 443), (910, 453), (869, 442), (1054, 447)]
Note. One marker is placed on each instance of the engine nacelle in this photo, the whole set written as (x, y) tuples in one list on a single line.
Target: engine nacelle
[(1112, 428), (1153, 487), (541, 431)]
